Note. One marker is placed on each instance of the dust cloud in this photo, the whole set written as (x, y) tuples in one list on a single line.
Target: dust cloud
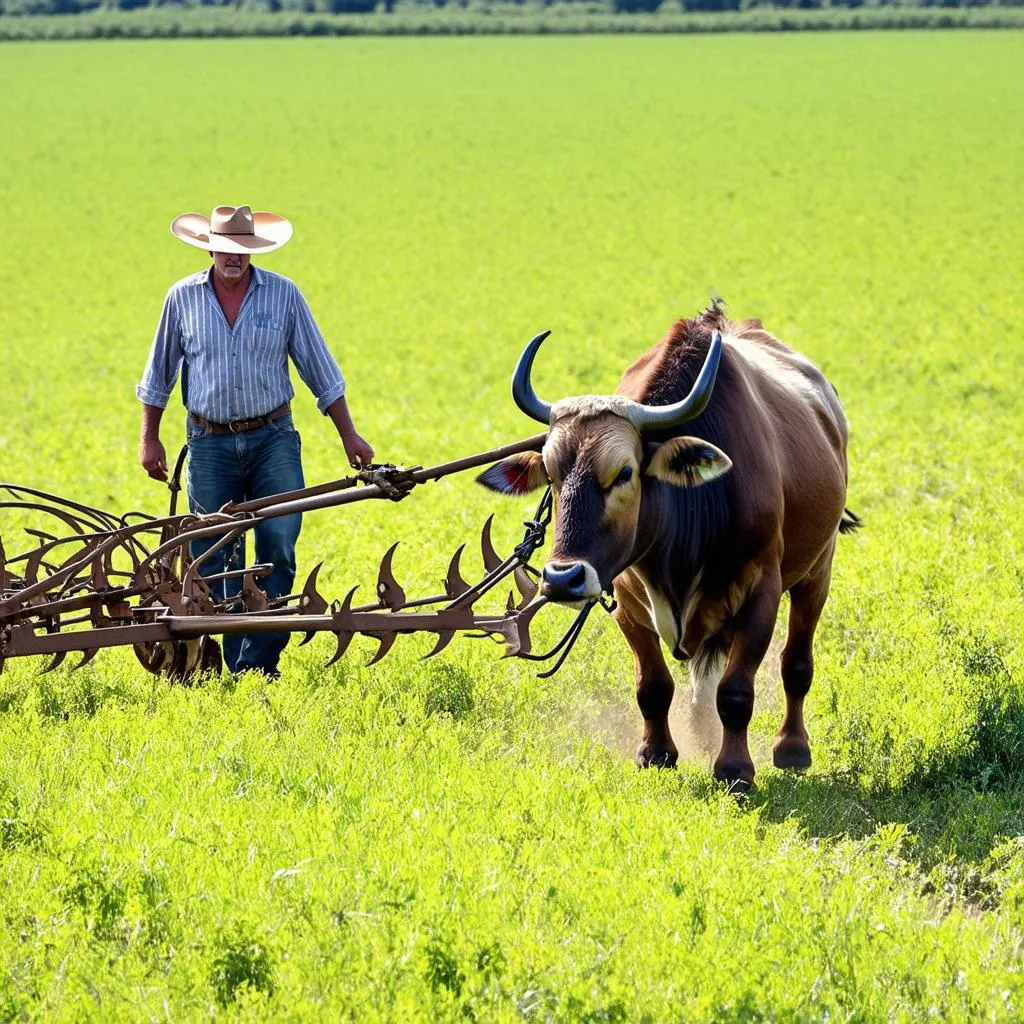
[(696, 729)]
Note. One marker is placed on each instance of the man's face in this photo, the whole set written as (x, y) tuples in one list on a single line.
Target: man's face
[(230, 266)]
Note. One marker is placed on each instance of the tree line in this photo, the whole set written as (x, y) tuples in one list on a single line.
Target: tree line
[(594, 7)]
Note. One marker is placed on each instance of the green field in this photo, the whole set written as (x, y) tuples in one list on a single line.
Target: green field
[(456, 839)]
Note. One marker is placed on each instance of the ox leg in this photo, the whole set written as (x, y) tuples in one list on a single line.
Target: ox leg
[(751, 631), (654, 685), (791, 749)]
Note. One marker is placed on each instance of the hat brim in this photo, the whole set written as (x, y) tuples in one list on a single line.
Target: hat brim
[(271, 232)]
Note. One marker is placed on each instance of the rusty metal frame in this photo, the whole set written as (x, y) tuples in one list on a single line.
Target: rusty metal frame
[(105, 580)]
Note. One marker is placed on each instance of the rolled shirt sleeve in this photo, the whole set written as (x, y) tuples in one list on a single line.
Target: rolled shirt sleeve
[(317, 367), (165, 357)]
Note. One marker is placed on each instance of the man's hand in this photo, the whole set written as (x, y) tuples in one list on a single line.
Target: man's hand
[(153, 458), (358, 451), (151, 451)]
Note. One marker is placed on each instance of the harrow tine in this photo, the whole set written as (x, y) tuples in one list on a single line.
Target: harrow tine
[(490, 556), (99, 579), (454, 585), (345, 608), (77, 525), (344, 639), (57, 506), (200, 597), (31, 572), (88, 546), (86, 658), (252, 597), (387, 641), (41, 534), (5, 576), (444, 638), (342, 615), (492, 560), (389, 593), (521, 643), (312, 602), (527, 588), (54, 662)]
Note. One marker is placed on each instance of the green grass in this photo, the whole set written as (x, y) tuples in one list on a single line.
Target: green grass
[(458, 839)]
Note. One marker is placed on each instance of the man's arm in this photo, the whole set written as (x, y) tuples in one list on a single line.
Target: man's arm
[(151, 451), (318, 368), (359, 452), (155, 389)]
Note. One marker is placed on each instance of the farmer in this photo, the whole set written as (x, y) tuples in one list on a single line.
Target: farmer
[(231, 328)]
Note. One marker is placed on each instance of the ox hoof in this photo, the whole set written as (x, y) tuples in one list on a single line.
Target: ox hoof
[(649, 755), (737, 775), (792, 754)]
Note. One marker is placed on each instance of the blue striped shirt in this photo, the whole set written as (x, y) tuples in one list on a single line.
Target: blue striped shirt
[(241, 372)]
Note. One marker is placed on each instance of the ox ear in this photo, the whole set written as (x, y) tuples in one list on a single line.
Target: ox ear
[(688, 462), (518, 474)]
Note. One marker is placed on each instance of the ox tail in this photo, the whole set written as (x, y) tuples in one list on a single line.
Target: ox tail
[(850, 522), (706, 671)]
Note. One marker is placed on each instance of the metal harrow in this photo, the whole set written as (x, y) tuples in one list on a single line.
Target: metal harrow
[(96, 580)]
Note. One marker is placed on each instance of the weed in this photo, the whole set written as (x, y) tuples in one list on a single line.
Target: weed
[(242, 961), (442, 970), (449, 691)]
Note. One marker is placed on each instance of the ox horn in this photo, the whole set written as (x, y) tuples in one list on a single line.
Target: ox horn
[(662, 417), (522, 390)]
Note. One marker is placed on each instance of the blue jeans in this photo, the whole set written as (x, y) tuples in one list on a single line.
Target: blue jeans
[(239, 467)]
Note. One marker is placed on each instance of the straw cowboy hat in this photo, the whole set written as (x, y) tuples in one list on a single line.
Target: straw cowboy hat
[(233, 229)]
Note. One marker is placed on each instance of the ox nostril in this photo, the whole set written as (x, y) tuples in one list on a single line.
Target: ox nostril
[(569, 579)]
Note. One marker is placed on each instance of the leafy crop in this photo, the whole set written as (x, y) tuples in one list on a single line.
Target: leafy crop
[(458, 839)]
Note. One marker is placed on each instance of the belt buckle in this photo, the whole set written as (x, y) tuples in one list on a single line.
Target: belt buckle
[(236, 426)]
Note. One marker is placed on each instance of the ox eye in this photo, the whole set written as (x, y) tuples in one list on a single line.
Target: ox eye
[(625, 475)]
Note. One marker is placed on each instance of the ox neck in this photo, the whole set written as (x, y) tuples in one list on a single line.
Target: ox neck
[(678, 533)]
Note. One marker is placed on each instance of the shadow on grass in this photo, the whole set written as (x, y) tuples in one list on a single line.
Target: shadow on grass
[(946, 822), (957, 806)]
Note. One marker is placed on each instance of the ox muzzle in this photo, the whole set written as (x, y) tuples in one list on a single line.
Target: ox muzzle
[(569, 582)]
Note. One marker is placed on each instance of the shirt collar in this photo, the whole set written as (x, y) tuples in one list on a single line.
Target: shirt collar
[(258, 276)]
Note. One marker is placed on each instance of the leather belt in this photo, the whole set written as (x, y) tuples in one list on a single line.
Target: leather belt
[(241, 426)]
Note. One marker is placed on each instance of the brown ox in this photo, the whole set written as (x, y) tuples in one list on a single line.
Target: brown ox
[(701, 532)]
